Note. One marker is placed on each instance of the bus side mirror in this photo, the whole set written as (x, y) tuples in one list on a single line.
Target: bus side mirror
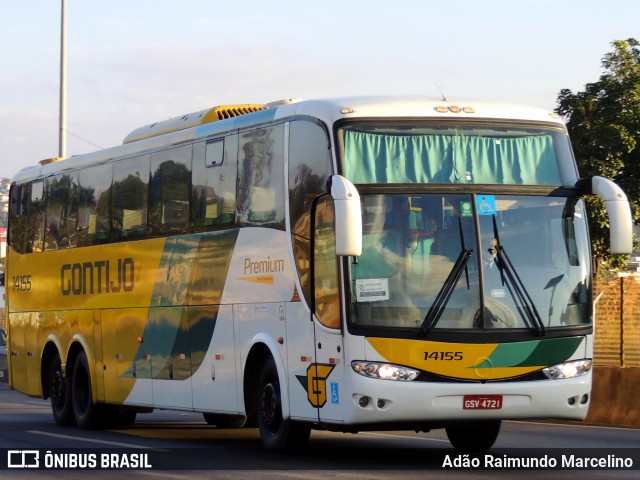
[(618, 210), (348, 216)]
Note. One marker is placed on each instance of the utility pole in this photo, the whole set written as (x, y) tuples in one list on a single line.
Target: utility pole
[(62, 138)]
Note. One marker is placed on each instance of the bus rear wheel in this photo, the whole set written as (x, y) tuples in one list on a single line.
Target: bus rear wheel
[(277, 434), (85, 411), (474, 436), (60, 392)]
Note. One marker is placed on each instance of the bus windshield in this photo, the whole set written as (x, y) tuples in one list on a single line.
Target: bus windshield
[(434, 261), (467, 154)]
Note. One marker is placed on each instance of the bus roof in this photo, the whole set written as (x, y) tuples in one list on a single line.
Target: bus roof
[(226, 119), (331, 110)]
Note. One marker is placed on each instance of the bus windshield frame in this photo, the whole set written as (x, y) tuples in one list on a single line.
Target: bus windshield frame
[(516, 292)]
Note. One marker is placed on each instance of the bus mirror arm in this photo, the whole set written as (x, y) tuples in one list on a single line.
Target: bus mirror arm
[(618, 211), (348, 216)]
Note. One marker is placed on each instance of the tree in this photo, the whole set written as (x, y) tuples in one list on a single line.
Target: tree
[(604, 125)]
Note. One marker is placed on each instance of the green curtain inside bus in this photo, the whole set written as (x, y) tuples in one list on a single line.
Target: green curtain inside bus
[(380, 158)]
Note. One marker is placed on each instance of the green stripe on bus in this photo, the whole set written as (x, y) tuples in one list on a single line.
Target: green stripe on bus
[(184, 305), (532, 353)]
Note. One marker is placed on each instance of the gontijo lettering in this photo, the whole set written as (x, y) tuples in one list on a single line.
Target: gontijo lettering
[(102, 276)]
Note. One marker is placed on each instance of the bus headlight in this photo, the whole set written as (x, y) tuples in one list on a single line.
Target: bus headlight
[(572, 369), (384, 371)]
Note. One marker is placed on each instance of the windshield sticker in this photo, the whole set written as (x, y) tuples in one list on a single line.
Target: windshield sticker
[(486, 204), (372, 289), (465, 209)]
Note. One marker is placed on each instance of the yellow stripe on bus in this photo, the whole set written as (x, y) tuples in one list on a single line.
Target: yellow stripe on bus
[(454, 360)]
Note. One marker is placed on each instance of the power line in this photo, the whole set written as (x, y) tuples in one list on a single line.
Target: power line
[(83, 139)]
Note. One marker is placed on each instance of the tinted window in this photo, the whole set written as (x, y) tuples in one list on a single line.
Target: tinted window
[(214, 182), (169, 193), (260, 177), (309, 169), (129, 198), (325, 271), (18, 217), (34, 234), (94, 195), (61, 211)]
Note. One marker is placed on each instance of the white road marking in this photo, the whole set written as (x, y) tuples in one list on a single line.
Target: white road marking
[(405, 437), (90, 440)]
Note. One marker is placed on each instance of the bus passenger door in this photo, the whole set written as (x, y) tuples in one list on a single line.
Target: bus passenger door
[(327, 375), (327, 378), (301, 361)]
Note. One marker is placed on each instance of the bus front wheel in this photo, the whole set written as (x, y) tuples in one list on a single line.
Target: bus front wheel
[(277, 434), (474, 436)]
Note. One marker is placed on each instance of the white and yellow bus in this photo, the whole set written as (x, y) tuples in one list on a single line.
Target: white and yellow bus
[(352, 264)]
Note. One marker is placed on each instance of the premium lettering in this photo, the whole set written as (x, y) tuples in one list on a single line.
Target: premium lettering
[(102, 276), (263, 266)]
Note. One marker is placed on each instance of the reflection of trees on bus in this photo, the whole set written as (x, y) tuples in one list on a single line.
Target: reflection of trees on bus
[(169, 198), (327, 301), (307, 186), (129, 199), (254, 184), (61, 221)]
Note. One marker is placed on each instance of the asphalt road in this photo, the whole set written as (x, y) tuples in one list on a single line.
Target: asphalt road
[(184, 443)]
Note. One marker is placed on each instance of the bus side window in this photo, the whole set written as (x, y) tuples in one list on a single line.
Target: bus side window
[(260, 199), (94, 200), (18, 217), (61, 211), (213, 196), (169, 191), (309, 168), (129, 199), (34, 230)]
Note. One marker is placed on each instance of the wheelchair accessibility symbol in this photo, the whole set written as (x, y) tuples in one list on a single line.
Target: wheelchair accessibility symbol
[(335, 395), (486, 204)]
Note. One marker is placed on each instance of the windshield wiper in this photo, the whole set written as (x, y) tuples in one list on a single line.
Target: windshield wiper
[(437, 309), (516, 287), (439, 304)]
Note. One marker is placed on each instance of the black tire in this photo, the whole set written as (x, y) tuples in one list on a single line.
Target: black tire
[(85, 412), (225, 421), (277, 434), (474, 436), (60, 393)]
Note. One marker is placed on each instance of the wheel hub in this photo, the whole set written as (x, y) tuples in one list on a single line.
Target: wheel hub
[(56, 387), (269, 404)]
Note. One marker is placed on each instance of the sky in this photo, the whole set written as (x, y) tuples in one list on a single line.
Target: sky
[(134, 62)]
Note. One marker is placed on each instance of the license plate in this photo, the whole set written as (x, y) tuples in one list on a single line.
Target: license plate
[(482, 402)]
